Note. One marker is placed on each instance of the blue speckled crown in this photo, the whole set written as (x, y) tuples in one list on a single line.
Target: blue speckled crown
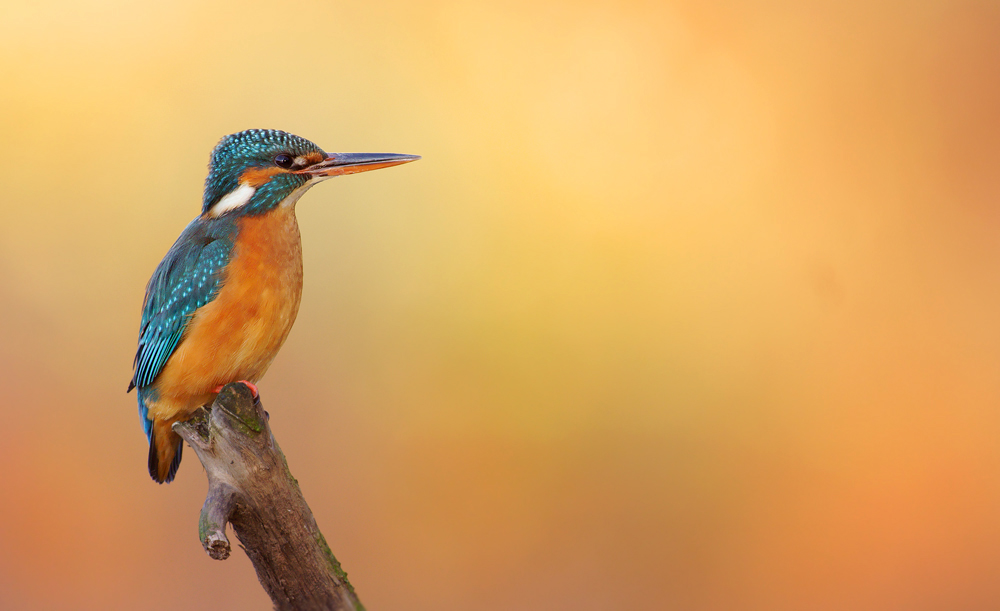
[(253, 147)]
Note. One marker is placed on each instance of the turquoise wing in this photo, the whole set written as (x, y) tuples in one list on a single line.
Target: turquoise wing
[(187, 278)]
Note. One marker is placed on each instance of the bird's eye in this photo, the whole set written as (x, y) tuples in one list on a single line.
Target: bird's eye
[(283, 161)]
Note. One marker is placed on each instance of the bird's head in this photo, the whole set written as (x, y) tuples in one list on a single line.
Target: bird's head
[(255, 170)]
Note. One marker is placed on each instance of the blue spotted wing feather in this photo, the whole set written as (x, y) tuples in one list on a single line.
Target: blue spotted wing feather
[(188, 277)]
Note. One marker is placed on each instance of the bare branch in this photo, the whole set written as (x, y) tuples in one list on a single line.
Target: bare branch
[(250, 487)]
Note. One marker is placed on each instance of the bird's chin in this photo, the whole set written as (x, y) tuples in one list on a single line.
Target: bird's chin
[(294, 196)]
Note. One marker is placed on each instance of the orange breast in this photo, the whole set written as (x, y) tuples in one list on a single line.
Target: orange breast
[(238, 334)]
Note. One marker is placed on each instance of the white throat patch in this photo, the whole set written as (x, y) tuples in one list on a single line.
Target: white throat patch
[(293, 197), (236, 198)]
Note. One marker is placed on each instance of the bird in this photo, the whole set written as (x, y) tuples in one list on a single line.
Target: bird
[(221, 303)]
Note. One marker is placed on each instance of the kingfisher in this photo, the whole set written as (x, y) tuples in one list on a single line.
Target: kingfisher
[(220, 304)]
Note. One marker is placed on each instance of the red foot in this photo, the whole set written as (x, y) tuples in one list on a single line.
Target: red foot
[(250, 385)]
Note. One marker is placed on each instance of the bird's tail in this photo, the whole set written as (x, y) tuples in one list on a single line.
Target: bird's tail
[(165, 448)]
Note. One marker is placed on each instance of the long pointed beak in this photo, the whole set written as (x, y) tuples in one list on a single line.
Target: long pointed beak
[(338, 164)]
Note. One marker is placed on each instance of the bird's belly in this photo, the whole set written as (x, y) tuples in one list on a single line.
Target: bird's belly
[(237, 335)]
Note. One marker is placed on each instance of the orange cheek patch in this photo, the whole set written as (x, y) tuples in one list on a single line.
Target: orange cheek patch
[(314, 157), (256, 177)]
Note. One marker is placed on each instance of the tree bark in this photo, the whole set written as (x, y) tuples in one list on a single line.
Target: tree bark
[(250, 487)]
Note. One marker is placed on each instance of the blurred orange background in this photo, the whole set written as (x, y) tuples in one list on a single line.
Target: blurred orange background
[(689, 305)]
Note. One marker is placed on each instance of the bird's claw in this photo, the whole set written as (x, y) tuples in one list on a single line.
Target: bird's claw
[(250, 385)]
